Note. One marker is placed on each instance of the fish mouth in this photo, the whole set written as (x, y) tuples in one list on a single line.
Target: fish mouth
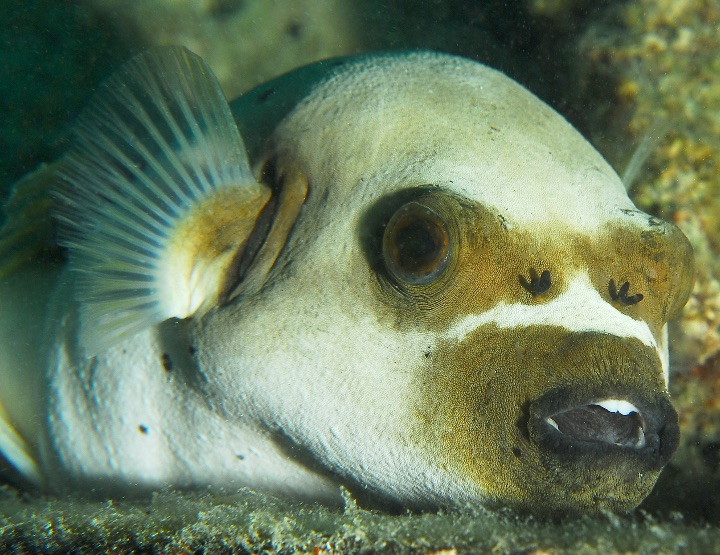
[(610, 421), (640, 430)]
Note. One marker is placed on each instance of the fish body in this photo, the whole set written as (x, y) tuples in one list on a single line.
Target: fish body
[(401, 273)]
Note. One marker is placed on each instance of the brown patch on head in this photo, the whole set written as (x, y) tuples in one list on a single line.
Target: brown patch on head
[(492, 261), (487, 260), (482, 404)]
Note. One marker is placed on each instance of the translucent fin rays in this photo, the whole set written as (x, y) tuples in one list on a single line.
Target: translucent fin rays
[(152, 153)]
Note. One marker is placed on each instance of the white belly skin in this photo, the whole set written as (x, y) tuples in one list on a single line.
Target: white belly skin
[(123, 423), (236, 413)]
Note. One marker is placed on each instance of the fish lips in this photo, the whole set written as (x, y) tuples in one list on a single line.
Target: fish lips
[(604, 428)]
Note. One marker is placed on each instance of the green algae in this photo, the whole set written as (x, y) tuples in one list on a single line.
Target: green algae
[(249, 522)]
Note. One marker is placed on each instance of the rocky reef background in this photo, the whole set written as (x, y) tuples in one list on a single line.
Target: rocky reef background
[(620, 71)]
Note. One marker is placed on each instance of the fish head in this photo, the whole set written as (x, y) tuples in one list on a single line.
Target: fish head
[(467, 309), (540, 381)]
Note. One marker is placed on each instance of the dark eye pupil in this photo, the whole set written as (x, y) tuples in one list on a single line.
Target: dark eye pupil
[(416, 244)]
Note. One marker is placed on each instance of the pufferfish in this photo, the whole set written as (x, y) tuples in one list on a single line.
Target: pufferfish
[(401, 274)]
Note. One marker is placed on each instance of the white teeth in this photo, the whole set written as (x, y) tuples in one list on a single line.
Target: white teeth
[(617, 405)]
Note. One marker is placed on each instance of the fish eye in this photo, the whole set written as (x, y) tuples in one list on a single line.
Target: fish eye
[(416, 244)]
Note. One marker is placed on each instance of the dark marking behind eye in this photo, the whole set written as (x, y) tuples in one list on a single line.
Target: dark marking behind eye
[(537, 284), (621, 295)]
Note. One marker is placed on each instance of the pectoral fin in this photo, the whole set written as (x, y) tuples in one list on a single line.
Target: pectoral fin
[(157, 200)]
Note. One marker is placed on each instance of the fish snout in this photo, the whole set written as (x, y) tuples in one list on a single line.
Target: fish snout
[(549, 421), (605, 430)]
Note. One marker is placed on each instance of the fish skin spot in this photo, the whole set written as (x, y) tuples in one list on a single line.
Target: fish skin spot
[(504, 222), (166, 362), (143, 429), (294, 30)]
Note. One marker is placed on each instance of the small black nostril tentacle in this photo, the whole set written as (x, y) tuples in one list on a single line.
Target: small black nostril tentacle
[(621, 295), (537, 284)]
